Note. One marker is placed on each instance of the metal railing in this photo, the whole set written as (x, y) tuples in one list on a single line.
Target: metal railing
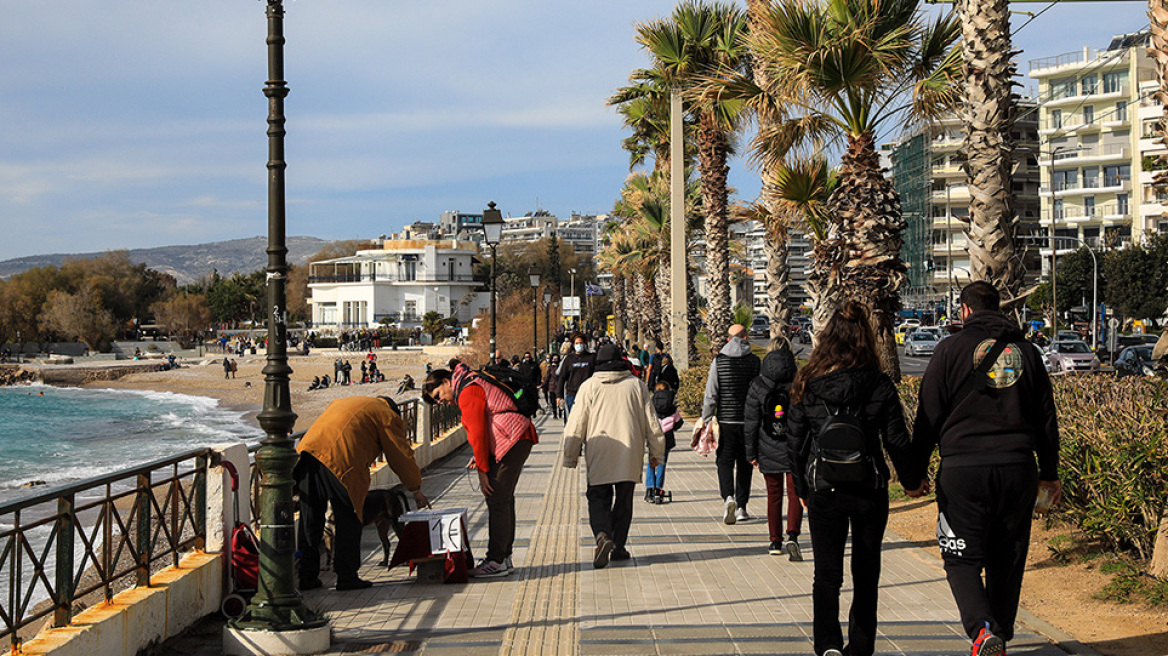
[(442, 419), (102, 534), (409, 414), (389, 277)]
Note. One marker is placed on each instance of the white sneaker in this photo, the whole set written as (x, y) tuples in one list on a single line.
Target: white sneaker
[(833, 652), (489, 569), (728, 514), (741, 515)]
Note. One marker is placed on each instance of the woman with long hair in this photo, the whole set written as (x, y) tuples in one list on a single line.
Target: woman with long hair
[(842, 408)]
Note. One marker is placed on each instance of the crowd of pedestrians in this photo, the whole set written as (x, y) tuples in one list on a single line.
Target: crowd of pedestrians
[(823, 438)]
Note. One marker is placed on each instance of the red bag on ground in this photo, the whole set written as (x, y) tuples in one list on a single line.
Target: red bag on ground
[(245, 557)]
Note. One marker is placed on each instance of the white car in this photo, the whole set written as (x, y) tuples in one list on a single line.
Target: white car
[(920, 342), (1045, 359)]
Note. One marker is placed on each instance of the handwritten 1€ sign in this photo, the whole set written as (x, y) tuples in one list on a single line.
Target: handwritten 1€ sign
[(446, 533)]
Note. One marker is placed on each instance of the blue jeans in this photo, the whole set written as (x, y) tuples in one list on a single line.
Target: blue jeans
[(569, 401), (655, 476)]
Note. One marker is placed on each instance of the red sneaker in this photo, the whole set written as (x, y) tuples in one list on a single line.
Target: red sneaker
[(988, 644)]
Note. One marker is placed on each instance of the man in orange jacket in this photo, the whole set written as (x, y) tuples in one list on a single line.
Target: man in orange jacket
[(335, 456)]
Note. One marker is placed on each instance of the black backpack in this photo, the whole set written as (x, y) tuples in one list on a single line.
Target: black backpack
[(523, 390), (774, 410), (842, 451)]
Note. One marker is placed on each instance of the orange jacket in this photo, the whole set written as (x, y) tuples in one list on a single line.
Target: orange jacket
[(349, 436)]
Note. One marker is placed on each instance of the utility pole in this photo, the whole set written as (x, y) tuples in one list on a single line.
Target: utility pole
[(678, 303)]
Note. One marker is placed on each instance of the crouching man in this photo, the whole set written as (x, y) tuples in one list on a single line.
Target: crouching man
[(335, 456)]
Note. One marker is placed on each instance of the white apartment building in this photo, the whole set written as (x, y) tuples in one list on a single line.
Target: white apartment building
[(1153, 214), (397, 280), (1091, 134)]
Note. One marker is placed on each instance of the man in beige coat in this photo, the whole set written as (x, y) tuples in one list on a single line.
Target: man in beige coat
[(612, 419)]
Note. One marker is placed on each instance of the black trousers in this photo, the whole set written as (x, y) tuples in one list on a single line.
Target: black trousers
[(731, 453), (504, 477), (319, 487), (830, 515), (610, 510), (983, 524)]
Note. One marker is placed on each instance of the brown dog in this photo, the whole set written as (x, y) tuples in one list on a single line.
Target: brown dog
[(383, 508)]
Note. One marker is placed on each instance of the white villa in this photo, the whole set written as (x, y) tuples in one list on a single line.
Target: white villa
[(398, 280)]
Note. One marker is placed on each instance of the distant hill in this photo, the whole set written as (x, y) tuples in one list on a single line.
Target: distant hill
[(188, 263)]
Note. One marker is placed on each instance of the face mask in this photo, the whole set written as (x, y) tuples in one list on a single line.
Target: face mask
[(579, 348)]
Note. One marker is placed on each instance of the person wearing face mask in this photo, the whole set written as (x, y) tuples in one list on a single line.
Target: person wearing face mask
[(577, 367)]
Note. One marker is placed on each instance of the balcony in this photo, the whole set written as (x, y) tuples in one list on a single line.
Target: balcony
[(1107, 212), (345, 278), (1098, 153)]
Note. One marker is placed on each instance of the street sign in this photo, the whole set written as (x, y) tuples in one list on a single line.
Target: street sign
[(1113, 323), (571, 305)]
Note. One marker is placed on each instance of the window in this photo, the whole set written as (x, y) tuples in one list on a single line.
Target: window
[(1089, 85), (1088, 206), (1091, 177), (328, 313), (1059, 210), (1056, 118), (411, 270), (1089, 114), (1121, 204), (1068, 179), (411, 312), (1120, 113), (1114, 82), (1062, 88)]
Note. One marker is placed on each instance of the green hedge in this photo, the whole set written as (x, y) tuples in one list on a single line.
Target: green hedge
[(1113, 455), (693, 388)]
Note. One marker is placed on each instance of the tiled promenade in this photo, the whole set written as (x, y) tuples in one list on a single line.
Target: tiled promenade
[(694, 585)]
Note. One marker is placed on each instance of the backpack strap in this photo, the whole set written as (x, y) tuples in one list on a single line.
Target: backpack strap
[(977, 378)]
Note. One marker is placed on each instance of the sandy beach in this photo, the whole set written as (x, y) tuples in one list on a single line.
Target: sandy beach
[(204, 377)]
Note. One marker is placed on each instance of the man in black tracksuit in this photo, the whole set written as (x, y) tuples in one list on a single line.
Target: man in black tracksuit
[(989, 477), (726, 386)]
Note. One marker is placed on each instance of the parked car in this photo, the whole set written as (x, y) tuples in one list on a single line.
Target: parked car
[(1046, 363), (761, 327), (1135, 361), (901, 331), (921, 342), (1068, 336), (1122, 342), (1072, 357), (932, 330)]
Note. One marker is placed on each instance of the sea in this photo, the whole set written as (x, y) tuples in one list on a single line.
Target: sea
[(58, 435), (53, 436)]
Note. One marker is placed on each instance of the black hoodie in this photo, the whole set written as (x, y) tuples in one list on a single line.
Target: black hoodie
[(778, 368), (881, 412), (1006, 422)]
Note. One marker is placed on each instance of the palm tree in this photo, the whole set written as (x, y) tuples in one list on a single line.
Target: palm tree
[(696, 41), (644, 104), (989, 114), (839, 69)]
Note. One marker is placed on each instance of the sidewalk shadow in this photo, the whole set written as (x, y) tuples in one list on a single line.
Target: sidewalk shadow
[(1147, 644)]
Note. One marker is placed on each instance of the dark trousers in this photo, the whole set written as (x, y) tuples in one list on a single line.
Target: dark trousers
[(504, 476), (610, 510), (830, 515), (731, 453), (550, 399), (983, 524), (775, 483), (318, 488)]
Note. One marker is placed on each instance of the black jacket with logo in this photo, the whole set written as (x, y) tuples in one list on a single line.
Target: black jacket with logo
[(1008, 421), (778, 369), (867, 393)]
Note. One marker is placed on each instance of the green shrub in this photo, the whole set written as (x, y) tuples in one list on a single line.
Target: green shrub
[(693, 388), (1113, 455)]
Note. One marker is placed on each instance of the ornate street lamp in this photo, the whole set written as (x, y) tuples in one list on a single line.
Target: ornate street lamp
[(492, 233), (533, 277), (277, 605)]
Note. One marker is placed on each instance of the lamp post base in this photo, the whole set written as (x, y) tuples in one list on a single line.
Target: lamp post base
[(265, 642)]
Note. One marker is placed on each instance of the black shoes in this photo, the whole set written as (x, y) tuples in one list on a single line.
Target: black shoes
[(621, 554), (311, 585)]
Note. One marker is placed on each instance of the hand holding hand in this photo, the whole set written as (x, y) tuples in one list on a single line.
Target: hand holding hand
[(920, 491), (653, 462)]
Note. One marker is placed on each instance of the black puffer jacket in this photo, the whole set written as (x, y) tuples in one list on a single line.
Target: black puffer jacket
[(778, 368), (882, 414), (665, 404)]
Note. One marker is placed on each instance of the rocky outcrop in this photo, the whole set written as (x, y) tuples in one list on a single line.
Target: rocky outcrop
[(15, 375), (77, 376)]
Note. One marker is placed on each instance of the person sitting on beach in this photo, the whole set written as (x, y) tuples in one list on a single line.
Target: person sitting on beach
[(406, 384), (315, 383), (324, 381)]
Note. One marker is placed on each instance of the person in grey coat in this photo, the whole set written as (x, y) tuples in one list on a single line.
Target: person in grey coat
[(726, 385), (766, 445)]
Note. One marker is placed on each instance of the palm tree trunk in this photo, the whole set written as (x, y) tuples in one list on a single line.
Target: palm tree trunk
[(652, 308), (778, 283), (1158, 17), (867, 208), (989, 117), (693, 308), (618, 307), (712, 149), (663, 301)]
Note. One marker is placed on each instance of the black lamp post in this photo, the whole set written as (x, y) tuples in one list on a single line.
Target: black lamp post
[(533, 277), (547, 321), (277, 604), (492, 233)]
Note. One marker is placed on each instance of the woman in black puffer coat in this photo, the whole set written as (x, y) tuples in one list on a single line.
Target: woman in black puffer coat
[(842, 387), (765, 430)]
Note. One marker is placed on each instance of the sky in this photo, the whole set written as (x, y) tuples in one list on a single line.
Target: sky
[(141, 123)]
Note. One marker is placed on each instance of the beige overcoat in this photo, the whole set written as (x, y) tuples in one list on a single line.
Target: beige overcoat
[(612, 419)]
